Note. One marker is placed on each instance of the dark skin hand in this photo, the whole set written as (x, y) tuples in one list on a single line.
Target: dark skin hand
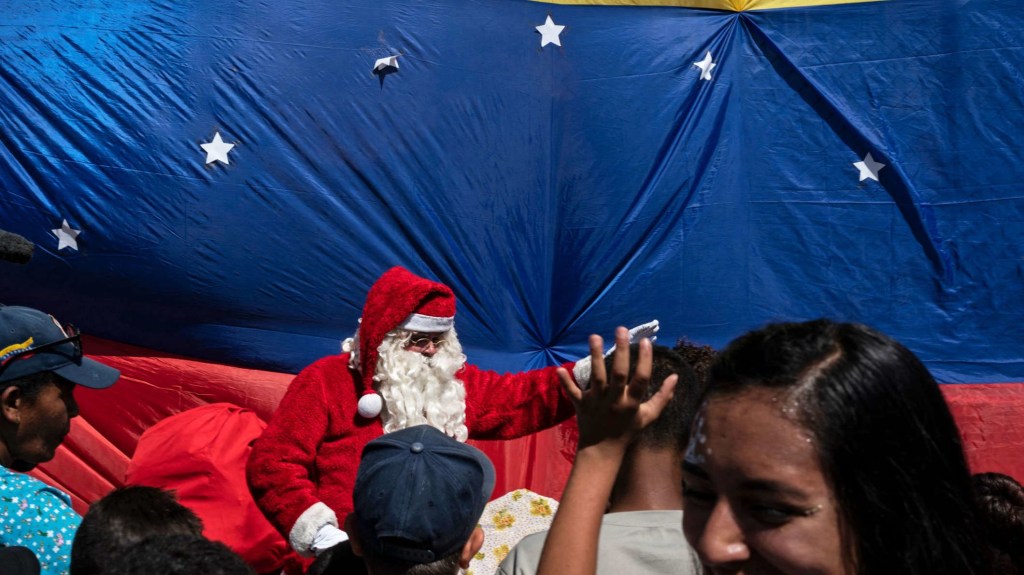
[(609, 413)]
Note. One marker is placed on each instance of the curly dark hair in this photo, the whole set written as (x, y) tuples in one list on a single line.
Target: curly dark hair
[(1000, 501), (700, 357)]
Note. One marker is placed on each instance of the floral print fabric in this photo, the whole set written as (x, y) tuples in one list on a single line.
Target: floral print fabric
[(505, 521), (37, 516)]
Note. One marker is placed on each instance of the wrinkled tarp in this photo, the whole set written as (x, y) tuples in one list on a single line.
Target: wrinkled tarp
[(559, 190)]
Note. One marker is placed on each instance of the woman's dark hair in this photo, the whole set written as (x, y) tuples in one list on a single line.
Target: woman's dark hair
[(1000, 501), (886, 441)]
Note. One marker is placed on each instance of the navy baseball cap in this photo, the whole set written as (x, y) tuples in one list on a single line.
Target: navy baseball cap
[(419, 494), (33, 342)]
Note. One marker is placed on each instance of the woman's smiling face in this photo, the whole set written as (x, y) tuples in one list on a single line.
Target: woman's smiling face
[(756, 500)]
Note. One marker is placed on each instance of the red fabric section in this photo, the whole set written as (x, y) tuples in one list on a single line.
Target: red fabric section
[(87, 466), (991, 421), (538, 462), (154, 385), (201, 454)]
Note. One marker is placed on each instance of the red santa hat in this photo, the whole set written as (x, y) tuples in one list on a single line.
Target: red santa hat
[(398, 299)]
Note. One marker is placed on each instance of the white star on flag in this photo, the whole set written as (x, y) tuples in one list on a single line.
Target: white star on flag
[(66, 236), (869, 168), (705, 65), (549, 32), (382, 63), (217, 150)]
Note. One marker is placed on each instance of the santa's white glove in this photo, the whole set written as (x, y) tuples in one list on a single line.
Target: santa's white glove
[(639, 332), (581, 371), (326, 537)]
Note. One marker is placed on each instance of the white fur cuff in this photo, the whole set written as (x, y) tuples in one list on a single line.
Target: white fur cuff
[(581, 372), (307, 525)]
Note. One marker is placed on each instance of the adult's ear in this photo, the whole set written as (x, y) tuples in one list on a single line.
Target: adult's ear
[(10, 401), (353, 536), (473, 544)]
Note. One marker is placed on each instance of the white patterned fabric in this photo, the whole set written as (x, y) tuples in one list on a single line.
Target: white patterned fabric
[(505, 521)]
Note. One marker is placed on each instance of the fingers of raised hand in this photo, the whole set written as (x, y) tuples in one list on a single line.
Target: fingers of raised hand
[(620, 359), (598, 377), (642, 375), (571, 389), (652, 408)]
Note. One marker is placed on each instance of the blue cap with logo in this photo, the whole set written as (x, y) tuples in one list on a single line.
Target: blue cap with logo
[(419, 494), (33, 342)]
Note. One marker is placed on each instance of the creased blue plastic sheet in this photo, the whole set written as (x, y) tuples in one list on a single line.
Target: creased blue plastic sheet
[(559, 190)]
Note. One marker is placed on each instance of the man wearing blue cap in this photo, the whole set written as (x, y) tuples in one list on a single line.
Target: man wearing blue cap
[(418, 498), (41, 362)]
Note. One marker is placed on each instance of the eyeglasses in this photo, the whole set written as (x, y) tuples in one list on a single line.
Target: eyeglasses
[(72, 336), (424, 341)]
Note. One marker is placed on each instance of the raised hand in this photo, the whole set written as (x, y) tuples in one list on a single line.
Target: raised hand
[(609, 412), (610, 409)]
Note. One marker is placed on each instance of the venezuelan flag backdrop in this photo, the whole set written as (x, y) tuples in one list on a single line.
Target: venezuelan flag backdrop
[(213, 187)]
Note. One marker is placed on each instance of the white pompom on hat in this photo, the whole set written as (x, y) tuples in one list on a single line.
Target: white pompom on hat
[(370, 405)]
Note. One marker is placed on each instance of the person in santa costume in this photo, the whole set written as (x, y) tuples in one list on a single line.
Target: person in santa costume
[(404, 367)]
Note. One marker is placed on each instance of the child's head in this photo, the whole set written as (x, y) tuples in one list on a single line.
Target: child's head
[(418, 498), (124, 517)]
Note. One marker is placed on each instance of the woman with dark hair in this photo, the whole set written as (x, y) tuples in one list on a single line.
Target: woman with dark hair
[(827, 448), (1000, 501)]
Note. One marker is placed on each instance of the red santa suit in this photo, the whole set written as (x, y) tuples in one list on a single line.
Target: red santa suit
[(301, 471)]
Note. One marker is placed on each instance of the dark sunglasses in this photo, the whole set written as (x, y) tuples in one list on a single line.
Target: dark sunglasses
[(72, 336)]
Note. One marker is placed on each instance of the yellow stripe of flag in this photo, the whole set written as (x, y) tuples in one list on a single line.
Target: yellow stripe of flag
[(731, 5)]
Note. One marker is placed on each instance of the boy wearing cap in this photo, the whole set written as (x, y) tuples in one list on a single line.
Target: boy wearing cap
[(41, 362), (418, 499), (404, 367)]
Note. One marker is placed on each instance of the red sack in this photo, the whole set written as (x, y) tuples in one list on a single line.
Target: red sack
[(200, 454)]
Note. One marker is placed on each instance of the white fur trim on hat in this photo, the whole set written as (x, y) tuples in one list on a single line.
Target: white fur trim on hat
[(427, 323), (307, 525), (369, 405)]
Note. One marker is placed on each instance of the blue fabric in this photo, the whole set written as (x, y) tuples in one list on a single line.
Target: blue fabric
[(39, 517), (558, 190)]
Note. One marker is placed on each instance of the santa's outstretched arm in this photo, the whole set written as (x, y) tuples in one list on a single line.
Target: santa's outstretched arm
[(506, 406)]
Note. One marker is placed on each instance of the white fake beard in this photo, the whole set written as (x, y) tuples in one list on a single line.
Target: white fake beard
[(419, 389)]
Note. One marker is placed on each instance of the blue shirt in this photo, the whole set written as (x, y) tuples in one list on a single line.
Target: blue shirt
[(37, 516)]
